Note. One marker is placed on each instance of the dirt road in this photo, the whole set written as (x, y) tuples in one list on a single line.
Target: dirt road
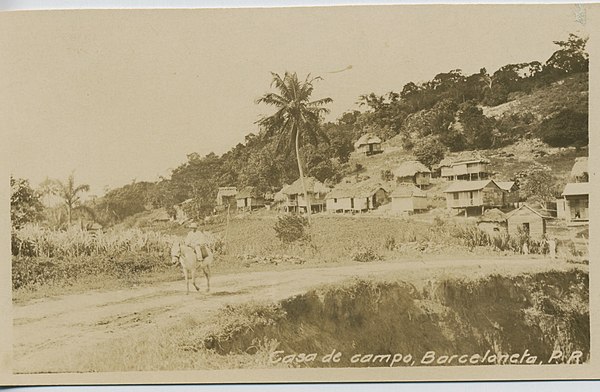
[(46, 329)]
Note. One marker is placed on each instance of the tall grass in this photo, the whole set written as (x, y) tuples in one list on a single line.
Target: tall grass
[(37, 241)]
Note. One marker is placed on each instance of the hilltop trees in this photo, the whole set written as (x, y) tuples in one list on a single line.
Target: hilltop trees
[(296, 118), (69, 192), (25, 204)]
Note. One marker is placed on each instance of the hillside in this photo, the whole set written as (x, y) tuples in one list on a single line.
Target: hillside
[(569, 93)]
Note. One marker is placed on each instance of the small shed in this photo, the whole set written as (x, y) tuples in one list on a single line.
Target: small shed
[(408, 198), (356, 197), (493, 222), (413, 172), (226, 195), (249, 199), (368, 144), (528, 221)]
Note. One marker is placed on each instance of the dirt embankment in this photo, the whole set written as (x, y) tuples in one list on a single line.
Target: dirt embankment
[(369, 322)]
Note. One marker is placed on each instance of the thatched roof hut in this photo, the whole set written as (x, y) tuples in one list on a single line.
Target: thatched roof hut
[(579, 172), (312, 186)]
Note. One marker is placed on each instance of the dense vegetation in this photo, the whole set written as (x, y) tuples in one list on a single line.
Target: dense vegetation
[(451, 112)]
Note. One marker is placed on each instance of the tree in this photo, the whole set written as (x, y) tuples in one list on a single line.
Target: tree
[(539, 185), (70, 193), (429, 151), (25, 204), (296, 116), (567, 128), (571, 57)]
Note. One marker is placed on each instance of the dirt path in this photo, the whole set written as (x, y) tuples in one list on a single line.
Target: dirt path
[(46, 329)]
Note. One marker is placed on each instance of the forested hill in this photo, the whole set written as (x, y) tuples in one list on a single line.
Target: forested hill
[(451, 112)]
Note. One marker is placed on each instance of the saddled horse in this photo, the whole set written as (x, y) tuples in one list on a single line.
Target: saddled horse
[(185, 255)]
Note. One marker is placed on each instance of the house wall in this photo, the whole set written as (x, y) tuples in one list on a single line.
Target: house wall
[(465, 199), (446, 171), (402, 204), (493, 228), (537, 224), (561, 209), (492, 196), (423, 178), (577, 205), (338, 204), (420, 203)]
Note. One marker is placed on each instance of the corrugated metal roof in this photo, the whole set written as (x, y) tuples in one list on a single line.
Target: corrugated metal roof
[(410, 168), (576, 188), (465, 186), (505, 185), (463, 157), (527, 207), (367, 138), (354, 190)]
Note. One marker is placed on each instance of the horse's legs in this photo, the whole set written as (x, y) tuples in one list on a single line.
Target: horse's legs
[(194, 280), (206, 271)]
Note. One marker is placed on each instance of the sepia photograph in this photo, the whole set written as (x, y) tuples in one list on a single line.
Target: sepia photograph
[(301, 194)]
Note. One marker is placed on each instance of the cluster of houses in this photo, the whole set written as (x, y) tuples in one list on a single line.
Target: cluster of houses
[(471, 190)]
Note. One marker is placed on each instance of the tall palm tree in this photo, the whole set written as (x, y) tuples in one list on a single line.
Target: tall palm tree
[(296, 117), (70, 194)]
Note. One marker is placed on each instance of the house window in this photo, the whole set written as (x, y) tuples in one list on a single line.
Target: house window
[(335, 200), (455, 196)]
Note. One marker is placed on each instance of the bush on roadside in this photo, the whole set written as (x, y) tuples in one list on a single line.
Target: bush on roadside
[(291, 228), (365, 254)]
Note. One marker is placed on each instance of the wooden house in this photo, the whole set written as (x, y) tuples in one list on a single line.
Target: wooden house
[(493, 222), (526, 220), (574, 205), (511, 195), (296, 201), (579, 172), (368, 144), (249, 199), (465, 167), (226, 196), (356, 197), (474, 196), (407, 198), (413, 172)]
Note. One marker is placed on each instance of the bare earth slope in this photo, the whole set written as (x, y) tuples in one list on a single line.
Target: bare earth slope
[(46, 330)]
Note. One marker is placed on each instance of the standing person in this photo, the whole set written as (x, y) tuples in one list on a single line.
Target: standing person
[(196, 240)]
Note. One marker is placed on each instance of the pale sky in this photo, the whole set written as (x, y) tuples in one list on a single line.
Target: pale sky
[(118, 95)]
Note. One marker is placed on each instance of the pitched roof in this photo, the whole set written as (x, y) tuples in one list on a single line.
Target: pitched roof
[(580, 167), (312, 186), (463, 157), (493, 215), (408, 190), (465, 186), (410, 168), (576, 188), (527, 207), (227, 191), (354, 190), (248, 191), (367, 138), (505, 185)]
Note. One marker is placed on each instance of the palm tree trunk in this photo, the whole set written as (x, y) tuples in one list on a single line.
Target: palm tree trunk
[(302, 176)]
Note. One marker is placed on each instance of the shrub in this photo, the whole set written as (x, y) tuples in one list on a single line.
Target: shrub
[(390, 242), (291, 228), (365, 254)]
